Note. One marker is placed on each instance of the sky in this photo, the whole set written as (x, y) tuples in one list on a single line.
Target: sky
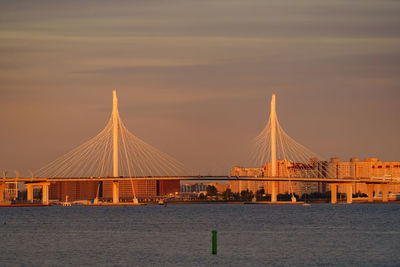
[(195, 78)]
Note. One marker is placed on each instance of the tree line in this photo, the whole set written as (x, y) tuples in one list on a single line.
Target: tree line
[(260, 195)]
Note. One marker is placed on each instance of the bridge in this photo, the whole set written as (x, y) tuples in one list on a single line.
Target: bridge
[(333, 182), (117, 150)]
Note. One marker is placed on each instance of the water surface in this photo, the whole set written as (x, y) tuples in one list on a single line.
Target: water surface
[(180, 235)]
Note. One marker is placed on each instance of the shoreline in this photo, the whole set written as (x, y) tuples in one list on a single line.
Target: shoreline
[(197, 202)]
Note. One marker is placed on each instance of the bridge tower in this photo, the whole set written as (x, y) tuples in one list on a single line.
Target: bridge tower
[(115, 133), (273, 149), (273, 136), (115, 126), (112, 153)]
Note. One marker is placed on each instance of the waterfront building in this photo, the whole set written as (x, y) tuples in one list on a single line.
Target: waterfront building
[(254, 186), (74, 190), (89, 190), (335, 168), (368, 168), (10, 188), (167, 187), (202, 187), (284, 169), (193, 187), (143, 188), (220, 187), (298, 188), (11, 191)]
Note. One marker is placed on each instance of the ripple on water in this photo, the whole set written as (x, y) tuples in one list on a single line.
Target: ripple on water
[(180, 235)]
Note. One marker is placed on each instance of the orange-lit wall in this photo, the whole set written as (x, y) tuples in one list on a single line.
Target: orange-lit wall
[(74, 190), (168, 187), (144, 188)]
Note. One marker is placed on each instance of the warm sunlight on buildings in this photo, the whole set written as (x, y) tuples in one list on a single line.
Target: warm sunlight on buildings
[(335, 168)]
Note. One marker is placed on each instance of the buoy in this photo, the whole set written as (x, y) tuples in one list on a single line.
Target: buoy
[(214, 242)]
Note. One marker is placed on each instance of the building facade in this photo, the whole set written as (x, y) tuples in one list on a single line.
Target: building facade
[(284, 169), (88, 190), (194, 187), (368, 168), (335, 168), (74, 190)]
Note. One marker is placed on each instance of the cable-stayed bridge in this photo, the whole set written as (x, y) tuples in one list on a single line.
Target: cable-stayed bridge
[(116, 155)]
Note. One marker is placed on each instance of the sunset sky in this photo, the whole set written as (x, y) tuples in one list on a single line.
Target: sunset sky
[(195, 78)]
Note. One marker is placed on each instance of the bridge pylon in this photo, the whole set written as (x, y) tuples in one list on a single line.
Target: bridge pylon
[(276, 154), (273, 137), (115, 119)]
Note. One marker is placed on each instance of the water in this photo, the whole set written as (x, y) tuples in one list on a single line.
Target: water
[(180, 235)]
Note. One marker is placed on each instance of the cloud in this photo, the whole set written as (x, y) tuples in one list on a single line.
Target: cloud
[(194, 77)]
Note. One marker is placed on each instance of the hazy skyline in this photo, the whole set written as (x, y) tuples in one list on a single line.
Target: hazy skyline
[(194, 78)]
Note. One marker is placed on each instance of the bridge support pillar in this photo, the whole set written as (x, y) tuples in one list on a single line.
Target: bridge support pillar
[(370, 188), (115, 192), (349, 193), (333, 193), (29, 190), (384, 192), (2, 187), (45, 194), (274, 191)]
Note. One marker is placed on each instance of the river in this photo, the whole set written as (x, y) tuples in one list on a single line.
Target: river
[(180, 235)]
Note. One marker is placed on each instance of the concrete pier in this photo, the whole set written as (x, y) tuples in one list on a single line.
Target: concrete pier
[(370, 188), (334, 193), (274, 191), (2, 187), (384, 192), (349, 193), (29, 190), (45, 194), (115, 187), (45, 191)]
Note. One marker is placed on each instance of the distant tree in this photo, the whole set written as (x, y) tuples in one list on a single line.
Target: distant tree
[(211, 190), (243, 194), (316, 195), (246, 195), (284, 197), (228, 195), (359, 194), (260, 194)]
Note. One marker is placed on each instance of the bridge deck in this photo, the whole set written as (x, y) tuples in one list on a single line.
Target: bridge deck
[(199, 178)]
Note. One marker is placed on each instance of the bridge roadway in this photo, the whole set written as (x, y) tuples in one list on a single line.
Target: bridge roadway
[(374, 180), (333, 182)]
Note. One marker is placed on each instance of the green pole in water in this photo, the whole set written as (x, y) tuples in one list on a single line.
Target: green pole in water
[(214, 242)]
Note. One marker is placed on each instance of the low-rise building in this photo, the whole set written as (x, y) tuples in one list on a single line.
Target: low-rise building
[(194, 187), (127, 189), (202, 187), (368, 168), (335, 168)]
